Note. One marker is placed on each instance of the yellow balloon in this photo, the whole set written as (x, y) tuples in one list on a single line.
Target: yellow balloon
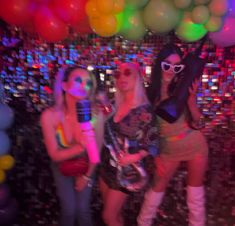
[(91, 9), (218, 7), (6, 162), (2, 176), (214, 24), (105, 6)]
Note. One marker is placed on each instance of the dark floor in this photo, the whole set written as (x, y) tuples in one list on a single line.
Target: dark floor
[(32, 184)]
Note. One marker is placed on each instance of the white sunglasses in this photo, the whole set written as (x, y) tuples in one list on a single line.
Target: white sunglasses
[(177, 68)]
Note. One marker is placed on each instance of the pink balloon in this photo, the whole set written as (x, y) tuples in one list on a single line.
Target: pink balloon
[(226, 36)]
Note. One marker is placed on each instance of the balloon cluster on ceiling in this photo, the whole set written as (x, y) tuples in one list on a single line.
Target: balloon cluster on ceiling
[(190, 20)]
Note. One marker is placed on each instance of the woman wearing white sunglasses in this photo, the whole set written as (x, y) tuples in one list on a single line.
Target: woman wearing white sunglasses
[(179, 141)]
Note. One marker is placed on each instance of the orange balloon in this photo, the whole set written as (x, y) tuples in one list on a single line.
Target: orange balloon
[(105, 6), (104, 25), (2, 176), (91, 9), (118, 6), (6, 162)]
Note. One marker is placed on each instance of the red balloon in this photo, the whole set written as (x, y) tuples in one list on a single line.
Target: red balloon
[(49, 26), (83, 27), (17, 12), (70, 11)]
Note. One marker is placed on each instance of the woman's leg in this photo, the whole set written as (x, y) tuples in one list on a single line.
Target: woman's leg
[(66, 193), (113, 202), (84, 216), (153, 198), (195, 190)]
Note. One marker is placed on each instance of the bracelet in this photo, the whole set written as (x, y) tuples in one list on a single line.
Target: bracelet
[(88, 179)]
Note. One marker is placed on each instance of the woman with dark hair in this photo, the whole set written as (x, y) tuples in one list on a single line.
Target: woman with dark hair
[(67, 137), (179, 141)]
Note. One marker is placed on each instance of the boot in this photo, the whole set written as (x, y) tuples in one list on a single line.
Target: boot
[(152, 201), (196, 202)]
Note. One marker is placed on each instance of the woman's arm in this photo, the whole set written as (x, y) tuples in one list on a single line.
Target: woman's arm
[(48, 130), (197, 117)]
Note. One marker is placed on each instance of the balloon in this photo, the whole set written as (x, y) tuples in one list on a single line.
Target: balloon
[(189, 31), (17, 12), (4, 195), (51, 28), (231, 8), (83, 27), (70, 11), (91, 9), (118, 6), (200, 14), (7, 116), (161, 16), (201, 2), (218, 7), (4, 143), (104, 6), (9, 212), (182, 4), (2, 176), (104, 25), (6, 162), (133, 27), (213, 24), (226, 35), (136, 4)]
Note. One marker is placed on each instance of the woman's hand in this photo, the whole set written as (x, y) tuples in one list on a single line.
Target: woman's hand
[(193, 92), (81, 182), (125, 159)]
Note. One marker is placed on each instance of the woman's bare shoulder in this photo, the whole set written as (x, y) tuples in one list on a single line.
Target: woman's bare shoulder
[(52, 114)]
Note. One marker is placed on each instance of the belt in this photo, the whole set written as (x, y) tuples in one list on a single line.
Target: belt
[(179, 136)]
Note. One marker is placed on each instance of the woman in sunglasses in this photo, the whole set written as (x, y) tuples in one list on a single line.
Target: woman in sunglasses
[(179, 141), (132, 137), (68, 138)]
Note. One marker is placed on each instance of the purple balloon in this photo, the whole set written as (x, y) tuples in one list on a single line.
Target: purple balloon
[(231, 8), (226, 35), (8, 213), (4, 195)]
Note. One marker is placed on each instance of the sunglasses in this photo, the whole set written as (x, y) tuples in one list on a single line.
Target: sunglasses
[(126, 73), (177, 68)]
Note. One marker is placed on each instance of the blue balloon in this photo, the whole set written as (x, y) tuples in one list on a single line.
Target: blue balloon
[(6, 116), (4, 143)]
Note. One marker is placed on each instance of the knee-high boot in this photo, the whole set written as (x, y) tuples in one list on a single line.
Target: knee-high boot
[(152, 201), (196, 205)]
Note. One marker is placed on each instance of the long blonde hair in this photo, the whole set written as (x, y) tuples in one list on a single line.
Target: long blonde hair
[(140, 96)]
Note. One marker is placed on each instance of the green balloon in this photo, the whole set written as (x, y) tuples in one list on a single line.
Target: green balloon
[(161, 16), (214, 24), (182, 4), (133, 27), (189, 31)]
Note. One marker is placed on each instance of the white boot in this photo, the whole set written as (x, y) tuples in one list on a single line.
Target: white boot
[(148, 211), (196, 205)]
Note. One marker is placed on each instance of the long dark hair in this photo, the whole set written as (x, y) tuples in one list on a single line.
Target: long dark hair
[(154, 89)]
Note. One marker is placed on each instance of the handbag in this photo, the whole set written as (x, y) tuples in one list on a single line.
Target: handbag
[(74, 167)]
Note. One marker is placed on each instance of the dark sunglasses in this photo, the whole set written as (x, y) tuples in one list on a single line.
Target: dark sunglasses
[(126, 73), (177, 68)]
